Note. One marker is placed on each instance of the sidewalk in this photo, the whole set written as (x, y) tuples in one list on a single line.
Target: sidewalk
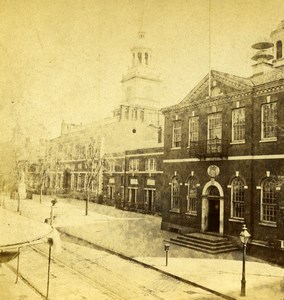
[(139, 237), (11, 291)]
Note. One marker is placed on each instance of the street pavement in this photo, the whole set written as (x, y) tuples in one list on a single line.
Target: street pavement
[(138, 237)]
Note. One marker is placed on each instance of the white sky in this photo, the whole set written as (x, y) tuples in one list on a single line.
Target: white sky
[(65, 59)]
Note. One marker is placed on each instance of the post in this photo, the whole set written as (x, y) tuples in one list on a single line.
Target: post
[(87, 203), (243, 285), (19, 200), (18, 265), (244, 236), (166, 247), (50, 242)]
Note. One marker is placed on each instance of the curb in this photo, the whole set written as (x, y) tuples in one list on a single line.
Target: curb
[(123, 256)]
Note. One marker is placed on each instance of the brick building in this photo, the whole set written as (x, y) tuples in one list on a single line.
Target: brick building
[(133, 179), (224, 153)]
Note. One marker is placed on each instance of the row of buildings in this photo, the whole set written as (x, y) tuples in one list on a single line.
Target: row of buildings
[(208, 164)]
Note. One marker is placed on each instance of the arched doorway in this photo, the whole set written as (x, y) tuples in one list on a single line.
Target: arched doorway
[(212, 208)]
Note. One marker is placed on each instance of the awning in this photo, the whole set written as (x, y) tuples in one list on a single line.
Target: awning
[(18, 231)]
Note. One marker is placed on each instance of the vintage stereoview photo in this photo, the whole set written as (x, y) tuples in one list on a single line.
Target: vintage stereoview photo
[(141, 149)]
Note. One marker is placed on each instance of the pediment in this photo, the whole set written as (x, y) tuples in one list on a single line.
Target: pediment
[(222, 84)]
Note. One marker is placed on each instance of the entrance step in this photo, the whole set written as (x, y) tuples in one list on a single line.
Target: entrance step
[(204, 242)]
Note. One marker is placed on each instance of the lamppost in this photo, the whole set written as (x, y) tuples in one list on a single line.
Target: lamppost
[(53, 202), (244, 236), (167, 248)]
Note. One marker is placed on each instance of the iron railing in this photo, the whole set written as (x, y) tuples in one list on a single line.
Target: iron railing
[(209, 148)]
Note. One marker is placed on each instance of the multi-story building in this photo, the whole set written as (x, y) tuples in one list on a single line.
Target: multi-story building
[(137, 123), (133, 179), (224, 153)]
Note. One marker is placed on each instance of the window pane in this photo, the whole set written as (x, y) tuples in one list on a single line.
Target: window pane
[(269, 120), (238, 197), (175, 193), (176, 134), (192, 195), (238, 123), (268, 201), (193, 130)]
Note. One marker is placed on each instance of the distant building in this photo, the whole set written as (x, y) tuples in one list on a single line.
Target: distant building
[(224, 154), (136, 124), (133, 180)]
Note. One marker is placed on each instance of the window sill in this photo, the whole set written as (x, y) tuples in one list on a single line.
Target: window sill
[(175, 210), (268, 140), (189, 214), (238, 142), (267, 224), (175, 148), (236, 220)]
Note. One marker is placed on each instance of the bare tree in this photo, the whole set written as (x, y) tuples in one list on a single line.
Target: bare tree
[(94, 162)]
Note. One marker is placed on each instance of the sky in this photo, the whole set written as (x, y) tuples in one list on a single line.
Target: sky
[(64, 59)]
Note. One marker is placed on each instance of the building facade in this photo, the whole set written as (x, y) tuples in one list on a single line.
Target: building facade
[(137, 123), (224, 154), (133, 180)]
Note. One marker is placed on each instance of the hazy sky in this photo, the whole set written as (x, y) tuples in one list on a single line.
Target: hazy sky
[(65, 59)]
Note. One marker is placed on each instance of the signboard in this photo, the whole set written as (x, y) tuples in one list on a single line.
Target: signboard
[(133, 181), (151, 182)]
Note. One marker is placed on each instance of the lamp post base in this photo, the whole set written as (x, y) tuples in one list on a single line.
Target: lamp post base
[(243, 288)]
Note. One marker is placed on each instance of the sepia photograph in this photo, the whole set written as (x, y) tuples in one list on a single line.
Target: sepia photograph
[(141, 149)]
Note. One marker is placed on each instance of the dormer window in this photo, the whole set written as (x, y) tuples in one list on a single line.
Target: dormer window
[(278, 49)]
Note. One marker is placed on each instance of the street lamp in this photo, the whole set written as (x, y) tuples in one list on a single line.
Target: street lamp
[(167, 248), (53, 202), (244, 236)]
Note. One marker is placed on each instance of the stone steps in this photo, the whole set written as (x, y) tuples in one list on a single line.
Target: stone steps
[(204, 242)]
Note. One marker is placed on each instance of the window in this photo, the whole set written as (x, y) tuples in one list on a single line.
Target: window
[(175, 193), (110, 191), (140, 57), (268, 201), (149, 197), (122, 192), (192, 196), (151, 164), (237, 198), (268, 120), (111, 166), (214, 133), (238, 125), (132, 195), (134, 164), (146, 58), (142, 115), (214, 126), (193, 129), (278, 49), (176, 134)]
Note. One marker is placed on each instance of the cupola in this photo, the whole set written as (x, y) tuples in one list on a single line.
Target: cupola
[(277, 37)]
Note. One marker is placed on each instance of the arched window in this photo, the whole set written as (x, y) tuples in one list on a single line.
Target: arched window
[(175, 193), (146, 58), (237, 198), (192, 196), (140, 57), (278, 49), (268, 201)]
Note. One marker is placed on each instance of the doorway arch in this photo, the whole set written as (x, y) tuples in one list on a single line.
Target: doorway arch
[(212, 213)]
